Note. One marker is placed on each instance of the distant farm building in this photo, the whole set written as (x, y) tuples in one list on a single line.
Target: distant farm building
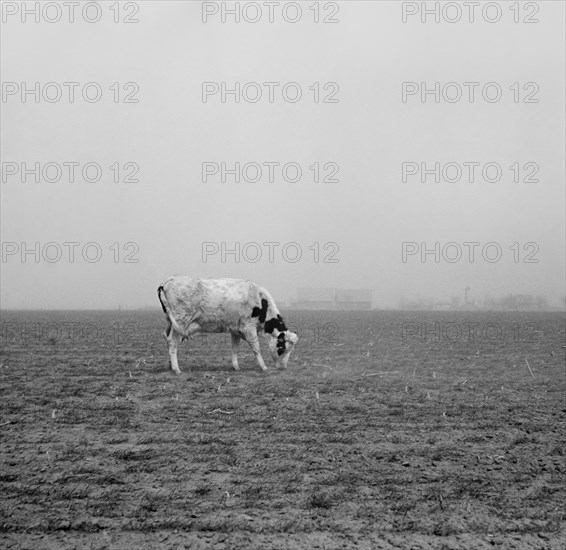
[(333, 299)]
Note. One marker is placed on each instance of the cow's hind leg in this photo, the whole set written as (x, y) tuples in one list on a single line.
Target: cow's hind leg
[(235, 346), (253, 341), (172, 339), (173, 344)]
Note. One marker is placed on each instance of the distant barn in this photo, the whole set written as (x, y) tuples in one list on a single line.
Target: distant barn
[(333, 299)]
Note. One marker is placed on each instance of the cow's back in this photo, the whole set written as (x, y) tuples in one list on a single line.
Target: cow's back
[(216, 305)]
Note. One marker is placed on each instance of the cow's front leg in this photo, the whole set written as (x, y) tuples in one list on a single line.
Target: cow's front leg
[(235, 346), (253, 341)]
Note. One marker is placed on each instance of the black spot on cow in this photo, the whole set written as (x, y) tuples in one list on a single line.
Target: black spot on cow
[(281, 344), (261, 313), (275, 323)]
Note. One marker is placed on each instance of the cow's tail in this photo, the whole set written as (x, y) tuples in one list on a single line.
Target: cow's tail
[(167, 310)]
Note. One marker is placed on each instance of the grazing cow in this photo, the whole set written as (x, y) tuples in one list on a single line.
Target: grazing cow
[(224, 305)]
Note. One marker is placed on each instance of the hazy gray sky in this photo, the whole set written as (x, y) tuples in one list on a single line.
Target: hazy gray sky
[(368, 134)]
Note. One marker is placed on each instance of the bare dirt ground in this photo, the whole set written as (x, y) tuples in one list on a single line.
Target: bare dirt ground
[(388, 430)]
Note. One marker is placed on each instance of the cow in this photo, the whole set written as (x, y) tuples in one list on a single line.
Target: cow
[(237, 306)]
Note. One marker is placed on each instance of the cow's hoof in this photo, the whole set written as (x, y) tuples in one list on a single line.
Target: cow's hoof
[(176, 371)]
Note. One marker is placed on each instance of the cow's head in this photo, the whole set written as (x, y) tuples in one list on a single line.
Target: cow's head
[(281, 344), (281, 340)]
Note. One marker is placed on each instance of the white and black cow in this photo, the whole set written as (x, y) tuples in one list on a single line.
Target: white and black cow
[(224, 305)]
